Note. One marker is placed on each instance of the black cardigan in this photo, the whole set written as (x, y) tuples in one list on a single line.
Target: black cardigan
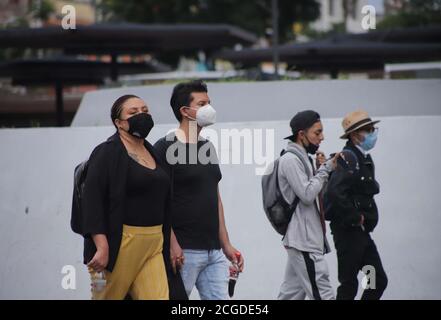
[(350, 191), (104, 197)]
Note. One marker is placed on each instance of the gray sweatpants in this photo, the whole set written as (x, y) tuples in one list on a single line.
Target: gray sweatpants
[(306, 275)]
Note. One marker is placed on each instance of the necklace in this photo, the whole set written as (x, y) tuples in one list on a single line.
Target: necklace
[(140, 159)]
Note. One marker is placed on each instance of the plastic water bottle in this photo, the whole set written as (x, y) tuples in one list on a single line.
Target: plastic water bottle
[(234, 275), (98, 281)]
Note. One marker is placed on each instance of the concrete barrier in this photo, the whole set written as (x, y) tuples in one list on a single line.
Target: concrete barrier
[(36, 177), (279, 100)]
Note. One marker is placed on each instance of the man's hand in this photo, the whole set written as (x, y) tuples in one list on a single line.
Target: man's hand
[(230, 253), (334, 160), (320, 158), (100, 259), (362, 220), (176, 254)]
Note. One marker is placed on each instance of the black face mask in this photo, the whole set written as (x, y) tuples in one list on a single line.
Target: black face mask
[(140, 125), (310, 148)]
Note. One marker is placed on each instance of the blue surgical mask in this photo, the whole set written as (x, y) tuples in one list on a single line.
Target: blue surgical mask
[(370, 140)]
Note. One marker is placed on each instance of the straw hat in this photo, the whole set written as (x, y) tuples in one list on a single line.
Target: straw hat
[(354, 121)]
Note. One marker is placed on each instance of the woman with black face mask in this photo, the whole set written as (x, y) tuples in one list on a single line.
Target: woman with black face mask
[(124, 209)]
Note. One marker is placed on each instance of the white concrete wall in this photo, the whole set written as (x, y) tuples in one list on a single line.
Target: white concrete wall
[(36, 176)]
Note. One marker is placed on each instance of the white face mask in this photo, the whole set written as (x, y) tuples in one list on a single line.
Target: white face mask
[(205, 116)]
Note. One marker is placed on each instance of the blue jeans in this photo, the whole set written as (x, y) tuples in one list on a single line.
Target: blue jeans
[(208, 270)]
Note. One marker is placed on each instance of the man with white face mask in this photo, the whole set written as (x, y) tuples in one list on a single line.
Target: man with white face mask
[(351, 208), (199, 242)]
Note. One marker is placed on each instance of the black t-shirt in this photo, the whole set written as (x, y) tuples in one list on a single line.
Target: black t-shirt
[(194, 209), (146, 195)]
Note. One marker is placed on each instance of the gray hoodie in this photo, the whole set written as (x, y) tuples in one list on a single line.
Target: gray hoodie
[(305, 231)]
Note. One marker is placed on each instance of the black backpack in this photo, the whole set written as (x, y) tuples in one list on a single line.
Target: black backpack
[(80, 173), (278, 211)]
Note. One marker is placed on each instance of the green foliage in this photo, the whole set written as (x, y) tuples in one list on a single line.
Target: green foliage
[(254, 16), (42, 11), (414, 13), (337, 28)]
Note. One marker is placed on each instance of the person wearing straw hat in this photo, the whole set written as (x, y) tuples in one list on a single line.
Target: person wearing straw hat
[(351, 209)]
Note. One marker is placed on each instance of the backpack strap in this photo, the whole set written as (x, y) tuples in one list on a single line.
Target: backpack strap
[(347, 164), (351, 152), (308, 173), (300, 156)]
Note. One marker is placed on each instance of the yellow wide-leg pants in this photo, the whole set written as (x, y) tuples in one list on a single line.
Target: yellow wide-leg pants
[(139, 269)]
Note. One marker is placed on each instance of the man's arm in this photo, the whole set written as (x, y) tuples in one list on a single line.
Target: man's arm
[(228, 249), (177, 258), (307, 189), (160, 147)]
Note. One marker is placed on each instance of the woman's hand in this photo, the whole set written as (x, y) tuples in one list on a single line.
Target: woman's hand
[(101, 258), (176, 254)]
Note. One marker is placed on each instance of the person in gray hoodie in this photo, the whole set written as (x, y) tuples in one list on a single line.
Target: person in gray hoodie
[(307, 273)]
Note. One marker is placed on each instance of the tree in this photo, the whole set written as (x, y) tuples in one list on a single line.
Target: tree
[(40, 11), (414, 13), (252, 15)]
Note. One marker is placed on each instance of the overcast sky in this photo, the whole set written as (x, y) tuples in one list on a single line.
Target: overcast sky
[(378, 4)]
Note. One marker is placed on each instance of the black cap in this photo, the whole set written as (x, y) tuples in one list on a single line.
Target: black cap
[(301, 121)]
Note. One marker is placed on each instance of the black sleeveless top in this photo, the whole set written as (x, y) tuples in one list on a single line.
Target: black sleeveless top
[(146, 195)]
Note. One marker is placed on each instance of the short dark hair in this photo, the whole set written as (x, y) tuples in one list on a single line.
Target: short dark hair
[(181, 95), (116, 110)]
